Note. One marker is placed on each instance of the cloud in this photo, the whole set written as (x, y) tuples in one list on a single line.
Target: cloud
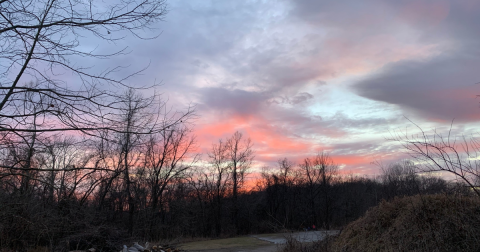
[(442, 88), (235, 101), (260, 70), (301, 97), (420, 55), (268, 69)]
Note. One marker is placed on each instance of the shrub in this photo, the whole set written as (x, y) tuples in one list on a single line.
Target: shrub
[(416, 223)]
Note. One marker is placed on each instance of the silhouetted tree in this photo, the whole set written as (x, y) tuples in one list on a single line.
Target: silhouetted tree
[(219, 180), (400, 179), (437, 153), (319, 173), (41, 42), (166, 159), (239, 155)]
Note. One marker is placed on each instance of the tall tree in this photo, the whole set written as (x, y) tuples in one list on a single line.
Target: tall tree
[(319, 173), (278, 185), (218, 179), (41, 40), (62, 159), (167, 158), (43, 45), (239, 155)]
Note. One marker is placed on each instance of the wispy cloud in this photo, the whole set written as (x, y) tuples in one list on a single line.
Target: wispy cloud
[(301, 76)]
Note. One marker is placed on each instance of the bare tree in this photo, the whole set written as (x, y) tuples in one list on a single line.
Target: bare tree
[(133, 116), (167, 158), (438, 153), (287, 181), (41, 41), (400, 179), (218, 180), (17, 160), (278, 186), (239, 155), (19, 147), (319, 173), (63, 158), (121, 155)]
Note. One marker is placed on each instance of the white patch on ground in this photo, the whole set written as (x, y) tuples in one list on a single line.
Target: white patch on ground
[(311, 236)]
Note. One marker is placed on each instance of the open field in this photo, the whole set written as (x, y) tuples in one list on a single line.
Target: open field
[(261, 242), (281, 238), (245, 243)]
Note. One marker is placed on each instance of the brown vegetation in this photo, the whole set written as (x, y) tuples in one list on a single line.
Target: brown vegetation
[(95, 164), (163, 199), (417, 223), (324, 245)]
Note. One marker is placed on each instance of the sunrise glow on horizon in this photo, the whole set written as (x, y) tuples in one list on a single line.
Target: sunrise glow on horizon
[(301, 77)]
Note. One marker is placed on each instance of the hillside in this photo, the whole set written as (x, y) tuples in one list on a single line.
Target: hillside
[(417, 223)]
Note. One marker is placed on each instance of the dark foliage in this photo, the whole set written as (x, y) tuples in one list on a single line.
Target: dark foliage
[(416, 223), (184, 210)]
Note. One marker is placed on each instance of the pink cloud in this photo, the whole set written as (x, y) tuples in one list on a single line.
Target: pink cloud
[(425, 12)]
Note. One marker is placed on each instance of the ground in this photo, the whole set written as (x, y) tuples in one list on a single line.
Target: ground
[(255, 243)]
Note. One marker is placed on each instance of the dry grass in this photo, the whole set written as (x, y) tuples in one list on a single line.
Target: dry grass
[(418, 223), (37, 249), (293, 245), (236, 242)]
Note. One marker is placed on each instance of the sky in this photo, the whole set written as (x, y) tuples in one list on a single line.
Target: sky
[(303, 76)]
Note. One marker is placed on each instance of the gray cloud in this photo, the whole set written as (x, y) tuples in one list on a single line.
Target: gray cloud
[(441, 88), (268, 59), (234, 101), (301, 97)]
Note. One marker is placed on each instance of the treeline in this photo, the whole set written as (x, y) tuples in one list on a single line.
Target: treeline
[(66, 193), (86, 160), (139, 175)]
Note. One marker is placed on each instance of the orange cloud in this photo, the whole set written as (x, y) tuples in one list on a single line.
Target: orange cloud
[(270, 143)]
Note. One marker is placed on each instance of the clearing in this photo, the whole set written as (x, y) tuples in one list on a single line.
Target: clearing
[(261, 242)]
